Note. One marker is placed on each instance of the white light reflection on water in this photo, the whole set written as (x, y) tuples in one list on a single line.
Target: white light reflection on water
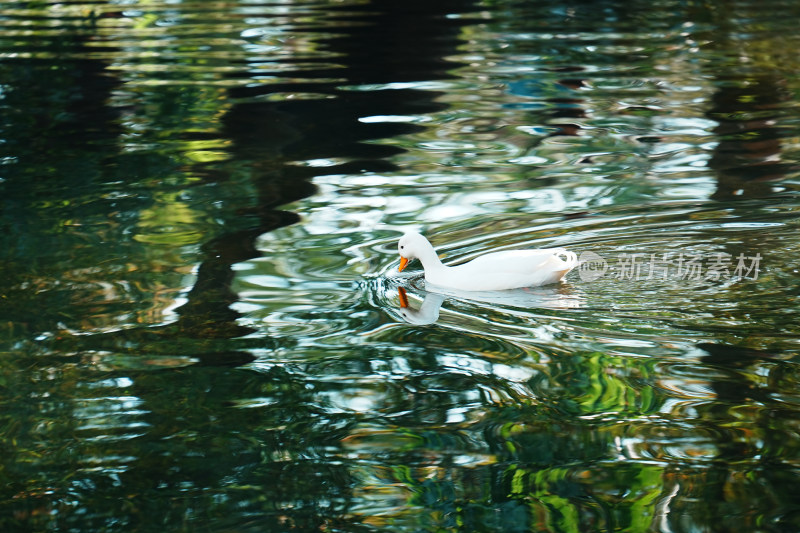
[(631, 174), (633, 402)]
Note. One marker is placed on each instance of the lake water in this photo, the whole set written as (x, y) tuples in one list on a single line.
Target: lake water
[(200, 317)]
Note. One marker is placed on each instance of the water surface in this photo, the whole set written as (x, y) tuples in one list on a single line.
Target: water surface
[(201, 328)]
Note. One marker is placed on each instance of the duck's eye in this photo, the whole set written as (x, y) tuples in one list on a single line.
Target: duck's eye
[(402, 247)]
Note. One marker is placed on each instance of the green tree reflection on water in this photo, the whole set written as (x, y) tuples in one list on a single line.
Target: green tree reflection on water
[(198, 210)]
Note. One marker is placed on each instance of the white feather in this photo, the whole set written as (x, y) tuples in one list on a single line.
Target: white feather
[(511, 269)]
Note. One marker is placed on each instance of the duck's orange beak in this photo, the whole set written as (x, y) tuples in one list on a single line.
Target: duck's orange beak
[(403, 263), (401, 293)]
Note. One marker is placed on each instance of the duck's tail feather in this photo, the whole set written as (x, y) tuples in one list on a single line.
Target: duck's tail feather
[(570, 259)]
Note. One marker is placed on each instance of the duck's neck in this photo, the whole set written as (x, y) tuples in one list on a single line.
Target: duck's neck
[(429, 258)]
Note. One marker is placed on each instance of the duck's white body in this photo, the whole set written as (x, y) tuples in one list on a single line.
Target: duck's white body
[(496, 271)]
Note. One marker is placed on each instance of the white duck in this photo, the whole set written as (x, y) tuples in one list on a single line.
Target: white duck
[(496, 271)]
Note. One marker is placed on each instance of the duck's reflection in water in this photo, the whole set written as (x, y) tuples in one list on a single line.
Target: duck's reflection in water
[(552, 297), (428, 312)]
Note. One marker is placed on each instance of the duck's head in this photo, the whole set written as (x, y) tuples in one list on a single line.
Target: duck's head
[(412, 245)]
